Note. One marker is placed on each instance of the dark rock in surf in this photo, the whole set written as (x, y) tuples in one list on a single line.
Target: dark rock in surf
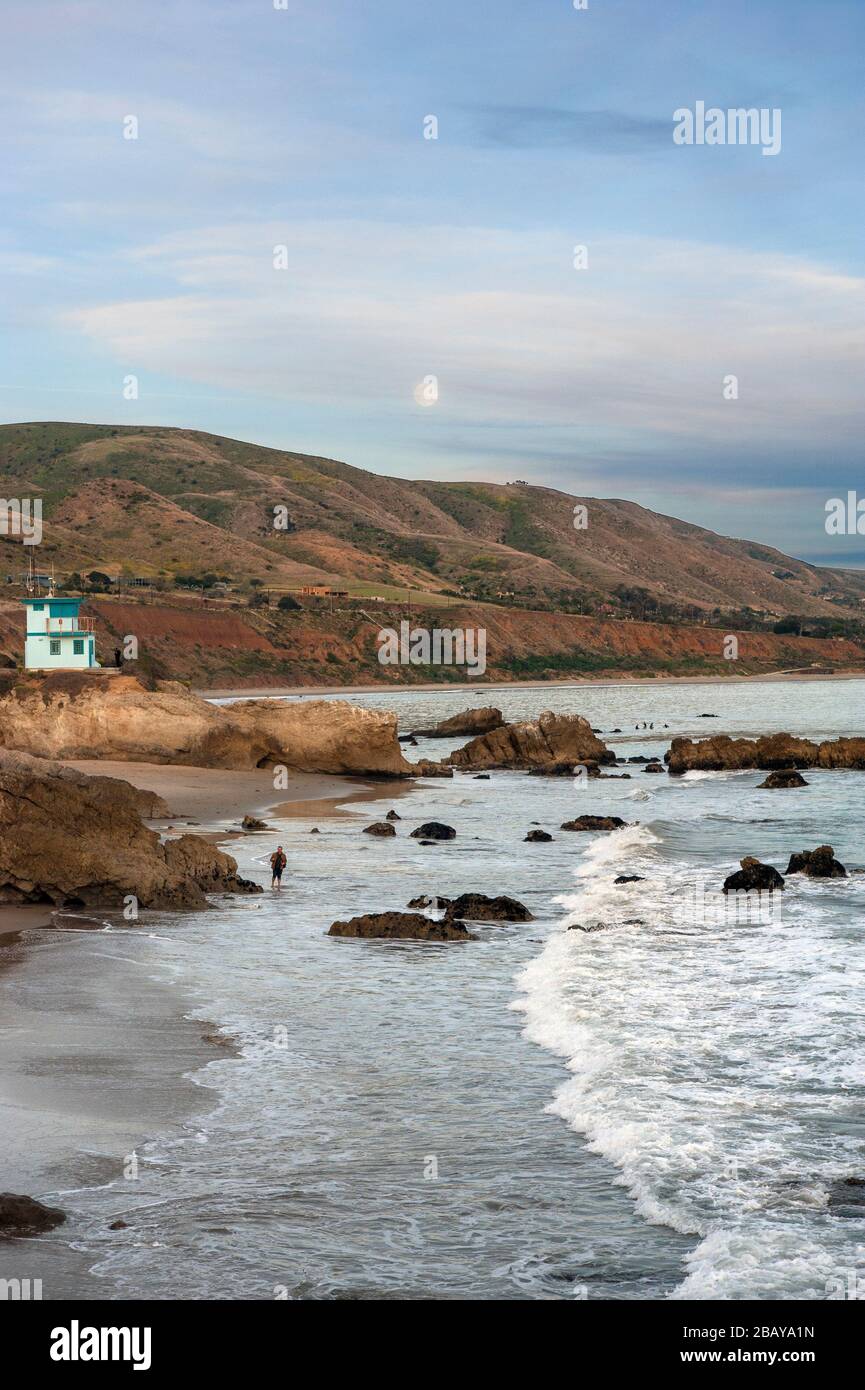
[(786, 777), (629, 878), (425, 902), (381, 828), (253, 823), (434, 830), (753, 877), (392, 815), (24, 1216), (594, 823), (477, 907), (401, 926), (816, 863), (537, 837)]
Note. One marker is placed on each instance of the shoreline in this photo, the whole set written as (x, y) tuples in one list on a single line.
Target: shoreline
[(86, 1091), (262, 692), (211, 802), (65, 1151)]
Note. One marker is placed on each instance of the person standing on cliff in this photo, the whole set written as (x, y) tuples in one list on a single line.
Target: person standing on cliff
[(278, 862)]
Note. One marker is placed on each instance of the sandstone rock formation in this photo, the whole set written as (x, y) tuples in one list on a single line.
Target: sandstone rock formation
[(80, 841), (425, 767), (769, 753), (594, 823), (24, 1216), (404, 926), (542, 742), (787, 777), (753, 877), (816, 863), (79, 714), (471, 722)]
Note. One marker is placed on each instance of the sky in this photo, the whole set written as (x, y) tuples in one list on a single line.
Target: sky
[(404, 259)]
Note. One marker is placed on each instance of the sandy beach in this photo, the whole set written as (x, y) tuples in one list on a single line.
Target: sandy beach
[(314, 691), (213, 794), (212, 802)]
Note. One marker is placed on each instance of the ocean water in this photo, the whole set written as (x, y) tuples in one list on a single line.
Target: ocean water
[(659, 1108)]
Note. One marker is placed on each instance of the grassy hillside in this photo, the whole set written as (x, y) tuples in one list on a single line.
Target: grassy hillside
[(163, 502)]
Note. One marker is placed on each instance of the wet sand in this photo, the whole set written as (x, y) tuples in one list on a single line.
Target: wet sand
[(75, 1098), (18, 919)]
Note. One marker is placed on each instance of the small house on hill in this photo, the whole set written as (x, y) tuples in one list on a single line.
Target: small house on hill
[(57, 637)]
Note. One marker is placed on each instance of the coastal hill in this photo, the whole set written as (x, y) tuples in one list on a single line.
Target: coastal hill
[(163, 502), (169, 534)]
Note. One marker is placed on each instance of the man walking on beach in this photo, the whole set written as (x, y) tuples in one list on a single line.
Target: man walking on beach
[(278, 862)]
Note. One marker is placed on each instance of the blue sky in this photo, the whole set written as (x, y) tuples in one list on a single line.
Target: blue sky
[(408, 258)]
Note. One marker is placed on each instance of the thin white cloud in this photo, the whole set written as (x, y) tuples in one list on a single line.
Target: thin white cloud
[(641, 341)]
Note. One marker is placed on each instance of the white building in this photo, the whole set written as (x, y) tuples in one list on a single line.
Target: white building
[(57, 638)]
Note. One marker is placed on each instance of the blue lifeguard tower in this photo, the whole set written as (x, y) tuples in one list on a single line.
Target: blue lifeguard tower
[(57, 637)]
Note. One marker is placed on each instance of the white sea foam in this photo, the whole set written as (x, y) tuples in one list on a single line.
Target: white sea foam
[(706, 1056)]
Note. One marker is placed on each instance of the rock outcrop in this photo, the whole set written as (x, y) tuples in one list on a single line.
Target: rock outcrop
[(425, 767), (79, 714), (787, 777), (434, 830), (753, 877), (594, 823), (539, 743), (381, 828), (471, 722), (537, 837), (401, 926), (75, 840), (770, 753), (477, 907), (816, 863), (24, 1216)]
